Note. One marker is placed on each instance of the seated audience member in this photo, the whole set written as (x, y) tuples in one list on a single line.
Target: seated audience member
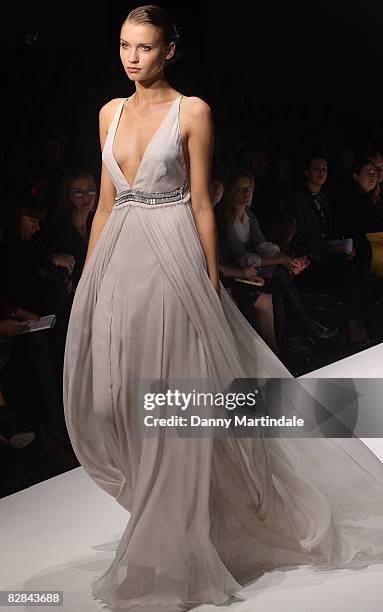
[(332, 269), (246, 246), (26, 283), (28, 275), (312, 211), (358, 214), (254, 304), (32, 276)]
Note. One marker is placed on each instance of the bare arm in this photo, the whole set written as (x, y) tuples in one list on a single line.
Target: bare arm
[(107, 189), (200, 147)]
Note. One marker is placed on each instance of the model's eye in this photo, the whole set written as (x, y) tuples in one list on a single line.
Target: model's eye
[(124, 45), (146, 48)]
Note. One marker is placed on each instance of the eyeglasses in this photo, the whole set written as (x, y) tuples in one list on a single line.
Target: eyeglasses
[(79, 193)]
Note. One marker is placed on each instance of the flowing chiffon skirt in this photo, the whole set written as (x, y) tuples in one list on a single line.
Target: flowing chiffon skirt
[(207, 514)]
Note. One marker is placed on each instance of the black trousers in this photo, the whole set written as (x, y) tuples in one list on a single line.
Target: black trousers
[(288, 308)]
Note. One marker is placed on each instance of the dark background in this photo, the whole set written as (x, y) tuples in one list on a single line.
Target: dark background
[(312, 52), (317, 52), (60, 64)]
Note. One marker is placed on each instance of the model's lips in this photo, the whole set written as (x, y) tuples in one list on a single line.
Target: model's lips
[(132, 69)]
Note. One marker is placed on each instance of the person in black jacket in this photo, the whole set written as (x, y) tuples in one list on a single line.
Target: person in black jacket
[(24, 261), (332, 270), (359, 213), (29, 290)]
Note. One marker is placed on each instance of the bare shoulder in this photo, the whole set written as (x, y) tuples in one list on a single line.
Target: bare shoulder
[(196, 114), (106, 115), (195, 107), (108, 110)]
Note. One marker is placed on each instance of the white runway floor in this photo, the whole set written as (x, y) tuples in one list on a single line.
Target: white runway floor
[(61, 533)]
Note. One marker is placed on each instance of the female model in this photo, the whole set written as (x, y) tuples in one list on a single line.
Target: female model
[(206, 512)]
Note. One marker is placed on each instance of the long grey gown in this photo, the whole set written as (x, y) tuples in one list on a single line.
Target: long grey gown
[(205, 513)]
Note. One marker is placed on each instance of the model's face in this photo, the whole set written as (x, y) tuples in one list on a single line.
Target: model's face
[(242, 194), (143, 51), (81, 195), (316, 174), (366, 178), (28, 226)]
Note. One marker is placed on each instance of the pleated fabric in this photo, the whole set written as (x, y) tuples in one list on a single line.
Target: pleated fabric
[(207, 514)]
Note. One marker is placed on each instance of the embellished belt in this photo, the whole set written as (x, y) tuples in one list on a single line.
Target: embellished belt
[(153, 200)]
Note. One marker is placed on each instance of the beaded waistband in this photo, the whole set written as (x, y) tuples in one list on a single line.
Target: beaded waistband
[(152, 200)]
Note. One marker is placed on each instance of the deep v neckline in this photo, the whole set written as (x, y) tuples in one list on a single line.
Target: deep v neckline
[(152, 138)]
